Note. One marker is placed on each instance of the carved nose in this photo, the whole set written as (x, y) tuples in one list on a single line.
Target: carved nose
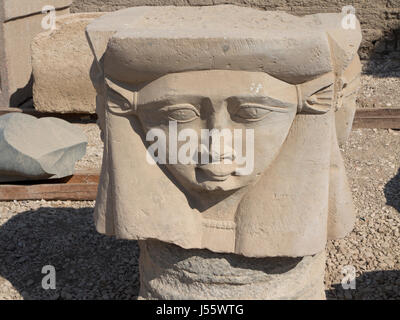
[(227, 153), (219, 119), (214, 155), (221, 140), (220, 132)]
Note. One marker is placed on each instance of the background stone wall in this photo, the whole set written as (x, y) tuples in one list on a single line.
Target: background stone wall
[(380, 19)]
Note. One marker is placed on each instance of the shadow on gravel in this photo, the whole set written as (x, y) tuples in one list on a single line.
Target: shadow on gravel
[(392, 192), (88, 265), (93, 266), (374, 285)]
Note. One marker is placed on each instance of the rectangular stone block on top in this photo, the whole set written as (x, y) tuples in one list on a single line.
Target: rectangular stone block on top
[(20, 21)]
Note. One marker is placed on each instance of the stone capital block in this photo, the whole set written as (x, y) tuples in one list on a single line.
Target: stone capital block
[(61, 62), (283, 79), (20, 22)]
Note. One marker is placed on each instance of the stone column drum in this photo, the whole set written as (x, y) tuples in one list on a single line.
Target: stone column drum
[(220, 126)]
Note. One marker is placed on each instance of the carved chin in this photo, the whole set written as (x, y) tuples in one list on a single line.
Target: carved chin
[(217, 186), (196, 179), (229, 184)]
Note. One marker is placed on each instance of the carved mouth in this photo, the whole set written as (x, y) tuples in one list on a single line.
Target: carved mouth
[(216, 172)]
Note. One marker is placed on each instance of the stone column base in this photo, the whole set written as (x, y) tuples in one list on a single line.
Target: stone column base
[(173, 273)]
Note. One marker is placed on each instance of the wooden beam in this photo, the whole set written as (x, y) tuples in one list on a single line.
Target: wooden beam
[(380, 118), (383, 118), (72, 117), (80, 186), (83, 184), (77, 191)]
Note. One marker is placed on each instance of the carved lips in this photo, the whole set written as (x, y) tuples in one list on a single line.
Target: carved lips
[(218, 171)]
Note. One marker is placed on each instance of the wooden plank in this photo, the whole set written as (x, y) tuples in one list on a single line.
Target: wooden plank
[(77, 191), (72, 117), (385, 118), (380, 118), (378, 112), (81, 186), (377, 123), (8, 110)]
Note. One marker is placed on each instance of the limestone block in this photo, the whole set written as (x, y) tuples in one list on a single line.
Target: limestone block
[(281, 77), (165, 46), (61, 61), (378, 18), (20, 21), (38, 149)]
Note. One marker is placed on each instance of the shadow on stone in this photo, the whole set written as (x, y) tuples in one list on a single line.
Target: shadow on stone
[(168, 256), (22, 94), (88, 265), (375, 285), (385, 56), (392, 192)]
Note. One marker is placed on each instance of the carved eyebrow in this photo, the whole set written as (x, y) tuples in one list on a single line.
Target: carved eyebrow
[(264, 101), (180, 106), (173, 99), (263, 106)]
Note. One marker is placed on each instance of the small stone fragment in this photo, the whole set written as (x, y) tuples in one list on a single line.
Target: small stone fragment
[(38, 149)]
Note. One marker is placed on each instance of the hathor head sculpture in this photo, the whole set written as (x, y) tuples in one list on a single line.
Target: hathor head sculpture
[(171, 77)]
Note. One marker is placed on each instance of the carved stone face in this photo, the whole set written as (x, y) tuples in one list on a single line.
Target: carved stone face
[(154, 66), (222, 100)]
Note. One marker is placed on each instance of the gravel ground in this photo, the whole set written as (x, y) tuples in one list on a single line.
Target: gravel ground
[(379, 92), (380, 84), (94, 150), (372, 161), (92, 266)]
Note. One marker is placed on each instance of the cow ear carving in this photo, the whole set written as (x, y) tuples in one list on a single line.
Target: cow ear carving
[(120, 100), (316, 96)]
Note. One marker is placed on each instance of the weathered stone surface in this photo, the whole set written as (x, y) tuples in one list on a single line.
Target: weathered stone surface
[(20, 21), (12, 9), (345, 115), (36, 149), (169, 272), (158, 64), (169, 44), (380, 19), (61, 61)]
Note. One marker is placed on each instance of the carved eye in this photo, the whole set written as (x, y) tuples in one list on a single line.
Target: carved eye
[(182, 113), (252, 112), (120, 100), (321, 101), (116, 101)]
